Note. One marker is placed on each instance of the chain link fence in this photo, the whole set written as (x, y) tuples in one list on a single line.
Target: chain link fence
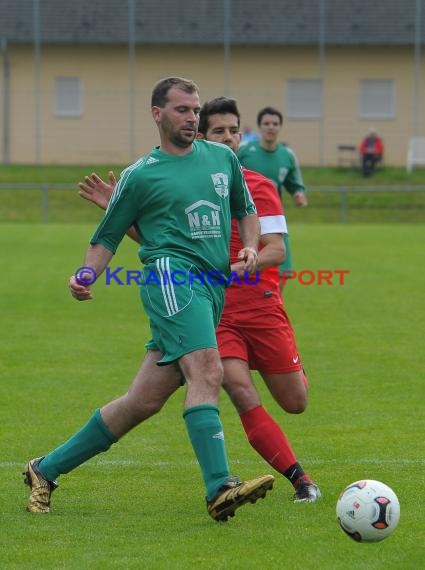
[(60, 203)]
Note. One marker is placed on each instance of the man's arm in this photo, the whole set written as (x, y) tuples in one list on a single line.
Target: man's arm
[(273, 251), (96, 190), (295, 187), (294, 183), (249, 231), (300, 199), (270, 255), (97, 258)]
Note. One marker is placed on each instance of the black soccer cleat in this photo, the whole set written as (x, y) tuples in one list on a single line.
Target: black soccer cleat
[(307, 493)]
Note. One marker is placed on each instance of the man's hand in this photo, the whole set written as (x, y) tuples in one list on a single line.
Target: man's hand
[(78, 291), (249, 256), (238, 268), (249, 231), (97, 190), (300, 199), (96, 259)]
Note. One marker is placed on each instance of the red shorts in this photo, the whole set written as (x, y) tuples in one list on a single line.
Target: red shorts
[(263, 337)]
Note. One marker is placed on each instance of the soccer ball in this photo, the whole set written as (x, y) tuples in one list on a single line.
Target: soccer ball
[(368, 511)]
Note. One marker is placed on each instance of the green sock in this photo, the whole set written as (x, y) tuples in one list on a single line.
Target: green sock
[(206, 435), (93, 438)]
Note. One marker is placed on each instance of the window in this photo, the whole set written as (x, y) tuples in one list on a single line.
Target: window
[(68, 97), (376, 99), (304, 100)]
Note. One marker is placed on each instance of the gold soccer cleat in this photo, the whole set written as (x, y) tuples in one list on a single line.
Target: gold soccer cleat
[(234, 494), (41, 488)]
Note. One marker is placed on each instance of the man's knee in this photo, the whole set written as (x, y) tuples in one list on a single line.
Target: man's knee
[(243, 396), (213, 373), (204, 364), (293, 402), (295, 406), (142, 409)]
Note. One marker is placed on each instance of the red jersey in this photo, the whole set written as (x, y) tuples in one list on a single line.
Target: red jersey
[(265, 292), (372, 145)]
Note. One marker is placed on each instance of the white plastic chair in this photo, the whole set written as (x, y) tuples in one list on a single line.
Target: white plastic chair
[(415, 153)]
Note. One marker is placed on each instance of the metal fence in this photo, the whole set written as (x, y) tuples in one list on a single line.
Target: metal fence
[(58, 202)]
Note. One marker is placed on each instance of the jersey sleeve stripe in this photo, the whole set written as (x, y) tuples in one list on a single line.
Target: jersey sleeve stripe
[(121, 183), (117, 192)]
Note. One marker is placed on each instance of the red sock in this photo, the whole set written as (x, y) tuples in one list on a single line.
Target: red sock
[(268, 439)]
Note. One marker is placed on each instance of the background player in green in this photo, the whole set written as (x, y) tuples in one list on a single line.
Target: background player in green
[(275, 161), (180, 198)]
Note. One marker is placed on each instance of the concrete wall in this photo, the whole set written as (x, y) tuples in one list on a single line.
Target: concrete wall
[(111, 131)]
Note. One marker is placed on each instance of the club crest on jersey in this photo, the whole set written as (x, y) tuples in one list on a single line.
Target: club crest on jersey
[(282, 174), (221, 184)]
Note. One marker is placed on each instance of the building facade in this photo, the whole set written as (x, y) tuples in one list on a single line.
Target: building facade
[(76, 77)]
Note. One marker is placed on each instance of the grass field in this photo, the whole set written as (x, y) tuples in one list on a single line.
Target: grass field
[(318, 176), (56, 201), (141, 506)]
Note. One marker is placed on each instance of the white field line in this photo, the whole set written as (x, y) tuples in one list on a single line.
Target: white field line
[(325, 462)]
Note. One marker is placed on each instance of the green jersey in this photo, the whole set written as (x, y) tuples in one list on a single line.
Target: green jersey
[(279, 165), (181, 206)]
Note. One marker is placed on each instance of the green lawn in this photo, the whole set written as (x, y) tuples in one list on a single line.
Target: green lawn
[(313, 176), (386, 197), (141, 505)]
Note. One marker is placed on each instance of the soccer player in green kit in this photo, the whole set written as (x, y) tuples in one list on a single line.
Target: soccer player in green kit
[(277, 162), (254, 330), (181, 198)]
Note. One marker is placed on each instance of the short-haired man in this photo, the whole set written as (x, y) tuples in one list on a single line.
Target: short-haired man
[(254, 330), (277, 162), (180, 199)]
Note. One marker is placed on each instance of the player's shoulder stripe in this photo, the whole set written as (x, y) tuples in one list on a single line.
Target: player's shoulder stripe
[(287, 149), (125, 175), (140, 162), (251, 147)]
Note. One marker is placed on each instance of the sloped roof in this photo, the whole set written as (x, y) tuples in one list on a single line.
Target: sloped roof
[(202, 22)]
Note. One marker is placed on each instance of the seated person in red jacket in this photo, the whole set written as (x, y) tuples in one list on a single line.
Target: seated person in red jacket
[(371, 151)]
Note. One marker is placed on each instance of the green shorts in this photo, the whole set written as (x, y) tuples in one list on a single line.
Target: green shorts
[(184, 309), (287, 264)]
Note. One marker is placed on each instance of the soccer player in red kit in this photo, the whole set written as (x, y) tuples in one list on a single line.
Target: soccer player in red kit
[(254, 331)]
